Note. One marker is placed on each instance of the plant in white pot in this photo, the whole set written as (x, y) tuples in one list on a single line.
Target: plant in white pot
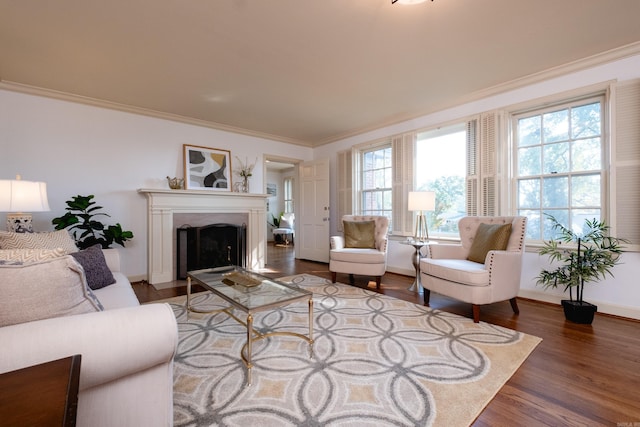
[(585, 257)]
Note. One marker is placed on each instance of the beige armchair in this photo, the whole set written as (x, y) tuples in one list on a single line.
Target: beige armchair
[(484, 268), (362, 250)]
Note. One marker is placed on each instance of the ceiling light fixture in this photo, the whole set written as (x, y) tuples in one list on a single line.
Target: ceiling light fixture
[(408, 1)]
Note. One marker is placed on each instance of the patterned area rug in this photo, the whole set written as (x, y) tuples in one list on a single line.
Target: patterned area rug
[(377, 361)]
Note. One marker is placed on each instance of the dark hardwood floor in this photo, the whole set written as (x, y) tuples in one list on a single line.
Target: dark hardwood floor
[(580, 375)]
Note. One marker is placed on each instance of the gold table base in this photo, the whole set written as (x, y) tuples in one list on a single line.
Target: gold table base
[(246, 351)]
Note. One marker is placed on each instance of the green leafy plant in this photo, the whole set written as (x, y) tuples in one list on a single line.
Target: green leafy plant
[(275, 220), (87, 230), (590, 257)]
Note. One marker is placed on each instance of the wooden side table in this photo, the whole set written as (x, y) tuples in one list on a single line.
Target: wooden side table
[(41, 395)]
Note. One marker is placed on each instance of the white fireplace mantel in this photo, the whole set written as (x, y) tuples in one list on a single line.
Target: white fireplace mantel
[(163, 204)]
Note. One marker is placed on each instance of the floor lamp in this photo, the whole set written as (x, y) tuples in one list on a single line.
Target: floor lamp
[(420, 201), (18, 197)]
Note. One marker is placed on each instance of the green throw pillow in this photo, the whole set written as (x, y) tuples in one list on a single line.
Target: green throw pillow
[(490, 237), (359, 234)]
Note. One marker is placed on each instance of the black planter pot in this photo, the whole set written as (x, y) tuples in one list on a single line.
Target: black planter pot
[(577, 312)]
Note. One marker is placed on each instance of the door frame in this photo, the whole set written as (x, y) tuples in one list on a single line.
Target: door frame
[(267, 158)]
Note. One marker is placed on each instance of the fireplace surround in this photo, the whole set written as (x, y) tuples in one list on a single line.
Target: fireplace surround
[(208, 246), (163, 204)]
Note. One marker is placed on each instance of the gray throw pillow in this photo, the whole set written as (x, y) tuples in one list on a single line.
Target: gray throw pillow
[(95, 267)]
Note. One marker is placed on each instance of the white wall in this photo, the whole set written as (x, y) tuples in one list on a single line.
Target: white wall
[(82, 149), (619, 295)]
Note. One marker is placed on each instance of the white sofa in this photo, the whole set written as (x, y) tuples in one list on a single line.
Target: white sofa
[(126, 375)]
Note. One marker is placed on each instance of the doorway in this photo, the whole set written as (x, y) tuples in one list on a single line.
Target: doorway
[(281, 177)]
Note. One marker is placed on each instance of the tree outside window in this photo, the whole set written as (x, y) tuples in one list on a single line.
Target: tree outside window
[(559, 166), (441, 167)]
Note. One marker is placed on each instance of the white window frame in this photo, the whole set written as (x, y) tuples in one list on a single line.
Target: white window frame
[(287, 184), (560, 103), (357, 188), (360, 191), (427, 134)]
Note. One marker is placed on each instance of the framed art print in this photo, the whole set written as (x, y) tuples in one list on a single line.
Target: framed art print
[(207, 168)]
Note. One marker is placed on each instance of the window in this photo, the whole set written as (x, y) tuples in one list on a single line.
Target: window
[(288, 194), (376, 175), (559, 165), (556, 162), (441, 161)]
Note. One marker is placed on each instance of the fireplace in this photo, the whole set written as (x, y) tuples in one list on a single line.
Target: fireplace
[(213, 245), (163, 205)]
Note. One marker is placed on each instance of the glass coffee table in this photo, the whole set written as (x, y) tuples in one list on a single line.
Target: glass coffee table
[(251, 293)]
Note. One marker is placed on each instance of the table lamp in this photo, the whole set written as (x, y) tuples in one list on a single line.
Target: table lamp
[(420, 201), (17, 197)]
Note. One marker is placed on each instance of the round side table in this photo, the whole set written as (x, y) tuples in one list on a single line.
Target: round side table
[(416, 286)]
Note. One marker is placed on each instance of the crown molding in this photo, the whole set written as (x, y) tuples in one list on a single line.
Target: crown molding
[(79, 99), (561, 70), (602, 58)]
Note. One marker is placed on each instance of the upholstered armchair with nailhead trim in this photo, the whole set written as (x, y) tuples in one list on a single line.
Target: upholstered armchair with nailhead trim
[(484, 268)]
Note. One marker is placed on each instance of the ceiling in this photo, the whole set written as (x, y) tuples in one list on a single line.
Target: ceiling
[(302, 71)]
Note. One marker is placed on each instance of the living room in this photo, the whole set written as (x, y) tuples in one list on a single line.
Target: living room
[(79, 144), (83, 149)]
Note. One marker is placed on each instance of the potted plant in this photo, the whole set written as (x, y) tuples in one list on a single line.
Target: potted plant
[(275, 220), (275, 223), (87, 230), (590, 257)]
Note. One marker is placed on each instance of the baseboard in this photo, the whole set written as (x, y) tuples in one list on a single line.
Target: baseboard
[(138, 278), (603, 307), (404, 271)]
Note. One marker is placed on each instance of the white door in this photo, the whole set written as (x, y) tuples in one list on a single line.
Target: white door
[(313, 210)]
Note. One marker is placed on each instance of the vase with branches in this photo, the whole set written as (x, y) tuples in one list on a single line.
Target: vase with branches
[(588, 256), (244, 171)]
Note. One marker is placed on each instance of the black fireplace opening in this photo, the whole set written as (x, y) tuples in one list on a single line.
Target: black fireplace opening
[(209, 246)]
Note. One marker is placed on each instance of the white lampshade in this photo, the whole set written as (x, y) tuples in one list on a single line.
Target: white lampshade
[(23, 196), (19, 197), (422, 201)]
